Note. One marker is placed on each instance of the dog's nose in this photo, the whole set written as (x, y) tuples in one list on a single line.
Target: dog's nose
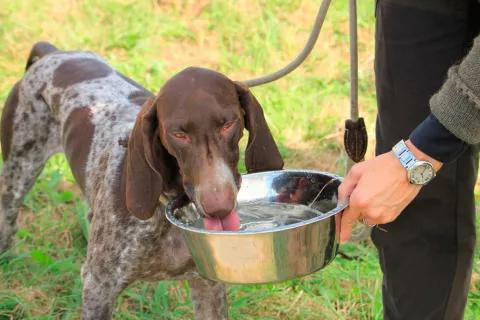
[(217, 204)]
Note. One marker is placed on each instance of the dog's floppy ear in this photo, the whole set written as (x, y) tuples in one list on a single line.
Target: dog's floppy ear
[(262, 153), (147, 163)]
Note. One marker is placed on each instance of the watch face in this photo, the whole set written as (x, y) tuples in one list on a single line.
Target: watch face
[(422, 173)]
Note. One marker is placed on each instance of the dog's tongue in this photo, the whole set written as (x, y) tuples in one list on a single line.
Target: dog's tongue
[(229, 223)]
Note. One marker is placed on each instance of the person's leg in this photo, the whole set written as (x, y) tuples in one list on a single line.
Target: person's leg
[(426, 254)]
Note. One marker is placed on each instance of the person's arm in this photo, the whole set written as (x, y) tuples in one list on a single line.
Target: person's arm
[(457, 104), (378, 188), (433, 139)]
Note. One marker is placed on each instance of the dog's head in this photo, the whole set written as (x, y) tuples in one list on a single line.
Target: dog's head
[(190, 132)]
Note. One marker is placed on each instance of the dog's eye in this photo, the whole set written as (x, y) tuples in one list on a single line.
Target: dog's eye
[(179, 135), (227, 125)]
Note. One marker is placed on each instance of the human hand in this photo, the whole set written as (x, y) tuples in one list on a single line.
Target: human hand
[(379, 190)]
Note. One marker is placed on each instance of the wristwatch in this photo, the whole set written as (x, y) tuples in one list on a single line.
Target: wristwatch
[(419, 172)]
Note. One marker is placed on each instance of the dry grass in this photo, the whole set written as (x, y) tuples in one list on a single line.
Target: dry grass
[(149, 41)]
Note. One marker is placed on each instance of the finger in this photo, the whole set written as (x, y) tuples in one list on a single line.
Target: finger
[(369, 222), (349, 217), (350, 182), (378, 215), (361, 217), (367, 214)]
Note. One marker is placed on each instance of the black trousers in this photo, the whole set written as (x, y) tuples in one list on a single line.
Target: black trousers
[(426, 255)]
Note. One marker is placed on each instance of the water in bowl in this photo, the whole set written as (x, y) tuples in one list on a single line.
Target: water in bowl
[(265, 215)]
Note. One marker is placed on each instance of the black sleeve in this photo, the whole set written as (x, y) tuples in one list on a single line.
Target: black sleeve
[(433, 139)]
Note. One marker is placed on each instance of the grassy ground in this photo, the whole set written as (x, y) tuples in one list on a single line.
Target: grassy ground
[(149, 41)]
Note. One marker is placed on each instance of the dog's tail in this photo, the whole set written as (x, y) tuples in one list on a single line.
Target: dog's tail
[(39, 50)]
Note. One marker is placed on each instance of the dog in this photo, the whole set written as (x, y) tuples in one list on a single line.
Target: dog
[(131, 151)]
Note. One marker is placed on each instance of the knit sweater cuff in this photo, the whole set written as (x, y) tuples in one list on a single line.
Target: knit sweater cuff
[(458, 108)]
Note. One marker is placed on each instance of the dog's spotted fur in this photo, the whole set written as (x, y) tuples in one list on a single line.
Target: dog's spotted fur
[(58, 90)]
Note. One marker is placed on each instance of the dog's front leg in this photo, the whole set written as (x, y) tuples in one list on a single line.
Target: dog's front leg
[(99, 294), (209, 299)]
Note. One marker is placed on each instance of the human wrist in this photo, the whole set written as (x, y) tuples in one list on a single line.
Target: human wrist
[(419, 155)]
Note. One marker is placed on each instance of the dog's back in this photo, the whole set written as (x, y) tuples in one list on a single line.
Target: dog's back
[(67, 101)]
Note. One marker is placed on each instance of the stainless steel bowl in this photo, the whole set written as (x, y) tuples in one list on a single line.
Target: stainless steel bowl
[(274, 254)]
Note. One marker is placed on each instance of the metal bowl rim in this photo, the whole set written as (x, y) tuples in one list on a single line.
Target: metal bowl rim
[(336, 210)]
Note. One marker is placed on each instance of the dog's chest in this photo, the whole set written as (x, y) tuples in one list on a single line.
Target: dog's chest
[(167, 258), (152, 249)]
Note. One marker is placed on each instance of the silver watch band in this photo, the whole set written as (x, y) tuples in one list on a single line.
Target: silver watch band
[(406, 158)]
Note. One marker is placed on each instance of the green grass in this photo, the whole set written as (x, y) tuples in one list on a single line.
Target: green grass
[(150, 41)]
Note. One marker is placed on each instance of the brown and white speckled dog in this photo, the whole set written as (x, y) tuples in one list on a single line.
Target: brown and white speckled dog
[(128, 148)]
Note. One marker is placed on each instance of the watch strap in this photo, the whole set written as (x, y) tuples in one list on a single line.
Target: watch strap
[(406, 158)]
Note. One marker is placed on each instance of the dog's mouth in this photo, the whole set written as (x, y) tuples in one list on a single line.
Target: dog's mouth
[(229, 223)]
